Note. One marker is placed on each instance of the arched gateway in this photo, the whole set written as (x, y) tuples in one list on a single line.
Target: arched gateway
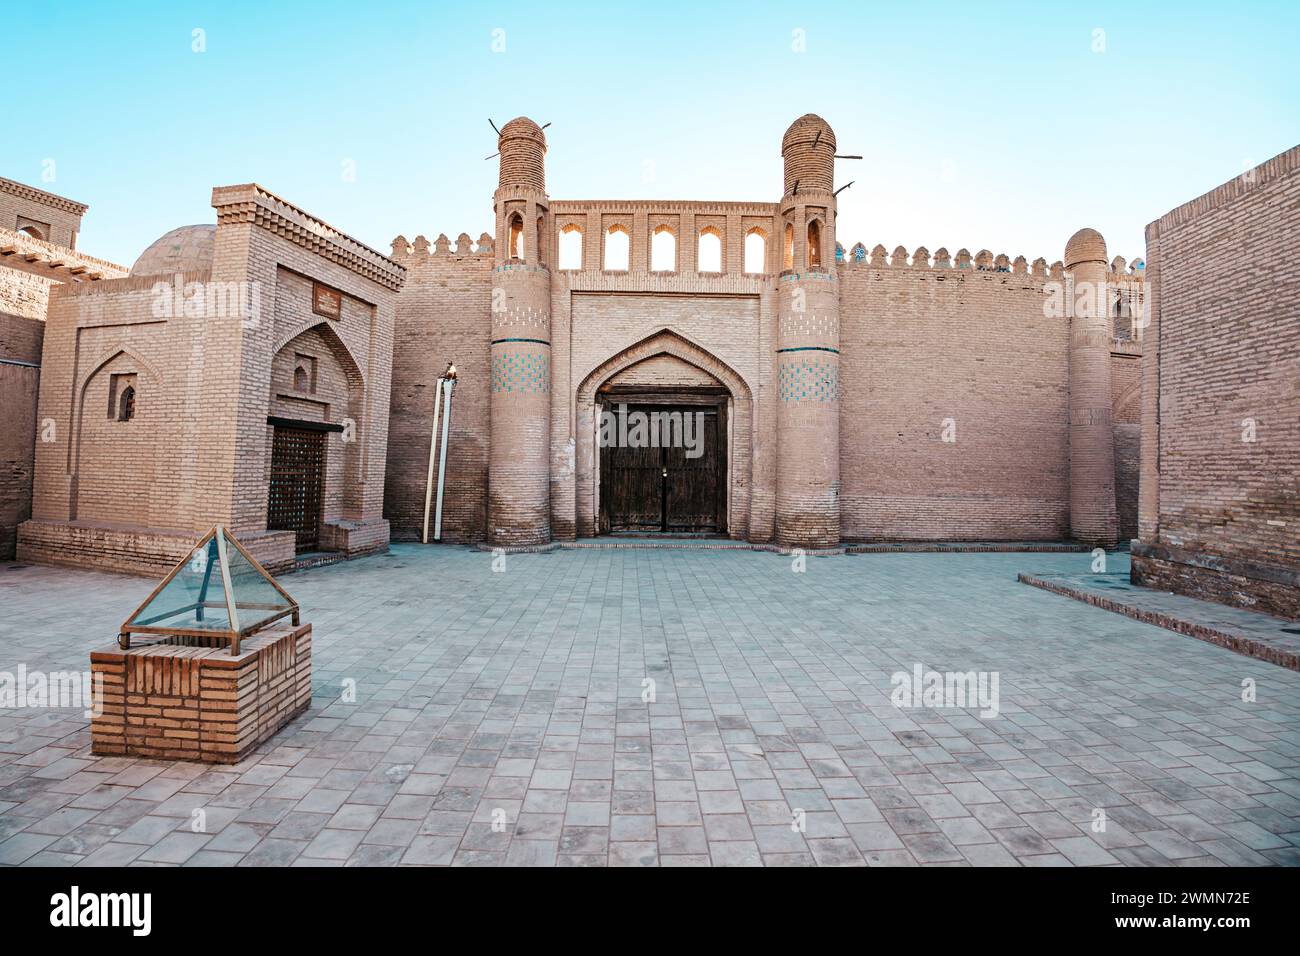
[(663, 442)]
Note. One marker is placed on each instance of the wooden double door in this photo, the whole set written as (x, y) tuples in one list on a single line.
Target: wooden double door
[(664, 486)]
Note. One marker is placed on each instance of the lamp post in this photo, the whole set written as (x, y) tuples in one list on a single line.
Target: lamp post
[(441, 409)]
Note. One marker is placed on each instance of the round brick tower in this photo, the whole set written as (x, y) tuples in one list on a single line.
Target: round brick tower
[(808, 343), (519, 499), (1092, 441)]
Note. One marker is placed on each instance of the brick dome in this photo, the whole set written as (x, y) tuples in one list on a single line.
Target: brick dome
[(808, 147), (185, 249), (1086, 245), (805, 130), (523, 149)]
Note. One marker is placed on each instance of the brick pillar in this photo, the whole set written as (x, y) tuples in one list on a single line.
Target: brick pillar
[(519, 498), (808, 411), (808, 348), (1092, 440), (519, 469)]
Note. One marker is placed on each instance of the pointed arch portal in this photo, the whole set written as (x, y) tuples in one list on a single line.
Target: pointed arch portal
[(667, 439)]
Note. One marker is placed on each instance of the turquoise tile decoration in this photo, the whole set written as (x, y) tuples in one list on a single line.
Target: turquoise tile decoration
[(810, 380), (521, 373)]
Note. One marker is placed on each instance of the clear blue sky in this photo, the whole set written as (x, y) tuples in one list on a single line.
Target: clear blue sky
[(982, 125)]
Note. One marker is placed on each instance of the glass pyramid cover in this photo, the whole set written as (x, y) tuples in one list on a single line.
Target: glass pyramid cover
[(218, 590)]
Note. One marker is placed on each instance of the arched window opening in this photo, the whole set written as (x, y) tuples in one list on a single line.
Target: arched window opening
[(126, 404), (663, 250), (516, 243), (301, 382), (32, 231), (814, 245), (709, 256), (571, 247), (787, 254), (617, 247), (541, 240), (1122, 317), (756, 252)]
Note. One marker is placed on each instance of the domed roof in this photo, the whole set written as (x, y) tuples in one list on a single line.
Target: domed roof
[(186, 249), (1086, 245), (524, 128), (806, 129)]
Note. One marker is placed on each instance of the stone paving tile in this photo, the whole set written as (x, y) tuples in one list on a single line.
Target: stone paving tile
[(500, 721)]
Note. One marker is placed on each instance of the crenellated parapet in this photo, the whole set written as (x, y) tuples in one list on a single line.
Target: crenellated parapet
[(404, 250), (1122, 273)]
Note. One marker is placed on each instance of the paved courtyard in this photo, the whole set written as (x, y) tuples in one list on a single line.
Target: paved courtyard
[(500, 718)]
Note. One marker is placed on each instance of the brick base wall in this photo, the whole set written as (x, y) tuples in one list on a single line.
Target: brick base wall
[(192, 702), (146, 551), (355, 538), (1258, 587)]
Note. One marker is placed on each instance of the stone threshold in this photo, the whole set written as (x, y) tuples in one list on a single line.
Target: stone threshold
[(649, 544), (1251, 633)]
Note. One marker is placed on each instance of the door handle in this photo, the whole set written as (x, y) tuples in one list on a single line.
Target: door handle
[(665, 472)]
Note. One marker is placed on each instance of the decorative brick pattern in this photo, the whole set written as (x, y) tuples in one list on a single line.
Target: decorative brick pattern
[(803, 380), (524, 372), (189, 701)]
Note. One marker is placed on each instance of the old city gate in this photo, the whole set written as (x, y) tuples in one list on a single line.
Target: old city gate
[(662, 466)]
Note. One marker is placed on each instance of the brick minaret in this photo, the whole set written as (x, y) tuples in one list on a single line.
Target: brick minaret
[(519, 501), (1092, 442), (808, 343)]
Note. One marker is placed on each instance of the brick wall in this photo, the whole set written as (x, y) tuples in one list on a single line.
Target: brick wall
[(25, 294), (20, 356), (1126, 391), (1220, 515), (919, 346), (443, 315), (138, 473)]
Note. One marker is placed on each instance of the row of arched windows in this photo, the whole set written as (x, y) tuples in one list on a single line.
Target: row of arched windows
[(616, 255), (663, 250)]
